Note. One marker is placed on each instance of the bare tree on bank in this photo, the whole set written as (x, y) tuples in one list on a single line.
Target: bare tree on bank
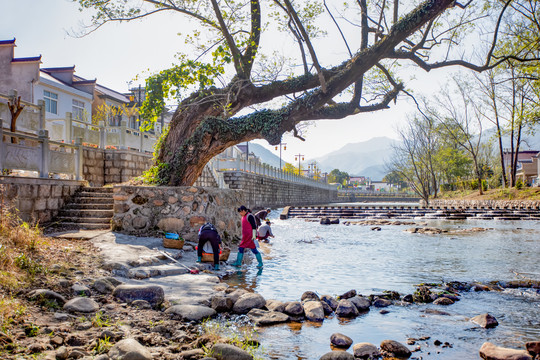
[(460, 117), (413, 157), (253, 104)]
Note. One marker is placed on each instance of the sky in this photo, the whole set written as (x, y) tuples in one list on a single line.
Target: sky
[(119, 54)]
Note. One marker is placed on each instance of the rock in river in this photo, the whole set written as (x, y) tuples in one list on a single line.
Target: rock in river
[(490, 351), (247, 302), (485, 320), (262, 317), (346, 309)]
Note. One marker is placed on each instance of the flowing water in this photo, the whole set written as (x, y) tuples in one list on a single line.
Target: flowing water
[(332, 259)]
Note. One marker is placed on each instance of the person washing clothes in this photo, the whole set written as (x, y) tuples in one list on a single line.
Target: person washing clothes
[(261, 216), (249, 235), (208, 232), (264, 232)]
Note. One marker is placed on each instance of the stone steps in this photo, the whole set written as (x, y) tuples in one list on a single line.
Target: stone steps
[(409, 212), (90, 209)]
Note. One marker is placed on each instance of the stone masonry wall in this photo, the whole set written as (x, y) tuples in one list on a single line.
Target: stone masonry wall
[(38, 200), (263, 192), (102, 167), (145, 210)]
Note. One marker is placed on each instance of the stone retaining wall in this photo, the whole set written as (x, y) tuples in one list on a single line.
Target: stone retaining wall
[(37, 199), (147, 210), (262, 192), (494, 204), (101, 167)]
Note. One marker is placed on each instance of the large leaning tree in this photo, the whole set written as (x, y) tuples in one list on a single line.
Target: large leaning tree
[(240, 90)]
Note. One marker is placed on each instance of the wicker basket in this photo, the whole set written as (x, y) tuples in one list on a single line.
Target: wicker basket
[(173, 243), (224, 256)]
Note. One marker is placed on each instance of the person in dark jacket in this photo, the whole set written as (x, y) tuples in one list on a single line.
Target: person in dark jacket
[(249, 235), (260, 216), (208, 232)]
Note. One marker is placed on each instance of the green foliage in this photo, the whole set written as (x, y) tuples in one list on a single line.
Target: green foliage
[(102, 346), (26, 263), (338, 176), (99, 320), (31, 330), (519, 184)]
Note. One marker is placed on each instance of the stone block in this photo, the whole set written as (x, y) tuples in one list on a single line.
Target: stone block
[(40, 204), (25, 205), (187, 198), (56, 191), (28, 191), (52, 204), (172, 200), (121, 208), (171, 224), (158, 202), (196, 221), (120, 197)]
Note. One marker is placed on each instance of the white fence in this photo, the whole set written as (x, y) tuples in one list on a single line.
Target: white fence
[(28, 152), (32, 120), (223, 163)]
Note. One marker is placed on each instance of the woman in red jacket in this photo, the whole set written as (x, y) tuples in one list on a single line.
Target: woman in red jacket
[(249, 235)]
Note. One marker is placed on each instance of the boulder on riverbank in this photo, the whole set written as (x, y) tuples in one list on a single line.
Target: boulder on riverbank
[(489, 351), (128, 293)]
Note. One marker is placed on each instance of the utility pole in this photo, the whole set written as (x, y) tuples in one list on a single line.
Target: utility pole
[(284, 145), (297, 157)]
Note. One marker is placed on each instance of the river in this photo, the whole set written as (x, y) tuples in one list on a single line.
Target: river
[(332, 259)]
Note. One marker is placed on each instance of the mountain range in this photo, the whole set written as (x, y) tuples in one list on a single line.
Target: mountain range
[(368, 158), (365, 158)]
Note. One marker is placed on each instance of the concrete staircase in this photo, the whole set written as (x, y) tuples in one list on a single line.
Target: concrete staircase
[(90, 209)]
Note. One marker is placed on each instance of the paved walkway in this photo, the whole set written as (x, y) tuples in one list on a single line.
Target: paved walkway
[(136, 260)]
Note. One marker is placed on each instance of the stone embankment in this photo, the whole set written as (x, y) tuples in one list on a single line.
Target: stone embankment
[(140, 210), (499, 212)]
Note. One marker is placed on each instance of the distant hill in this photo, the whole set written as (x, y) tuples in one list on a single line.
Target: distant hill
[(365, 158), (266, 156)]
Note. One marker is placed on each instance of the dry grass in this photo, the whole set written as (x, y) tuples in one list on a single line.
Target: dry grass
[(494, 194), (26, 257)]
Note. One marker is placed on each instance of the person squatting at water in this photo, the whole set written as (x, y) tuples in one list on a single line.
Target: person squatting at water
[(264, 232), (208, 232), (261, 216), (249, 235)]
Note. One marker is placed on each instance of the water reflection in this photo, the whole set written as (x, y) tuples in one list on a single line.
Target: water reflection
[(336, 258)]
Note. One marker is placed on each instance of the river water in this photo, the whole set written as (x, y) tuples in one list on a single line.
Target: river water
[(332, 259)]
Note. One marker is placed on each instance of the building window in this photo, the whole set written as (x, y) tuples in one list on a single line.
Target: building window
[(133, 123), (51, 101), (77, 109)]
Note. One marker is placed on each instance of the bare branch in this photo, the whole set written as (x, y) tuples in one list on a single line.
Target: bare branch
[(304, 33), (237, 56)]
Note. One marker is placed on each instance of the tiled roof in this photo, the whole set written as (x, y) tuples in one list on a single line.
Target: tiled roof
[(27, 59), (7, 42), (59, 69), (112, 94)]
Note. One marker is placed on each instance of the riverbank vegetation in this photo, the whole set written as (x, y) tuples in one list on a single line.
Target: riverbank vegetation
[(493, 194)]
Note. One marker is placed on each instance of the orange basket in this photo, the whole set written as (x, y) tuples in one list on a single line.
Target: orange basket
[(223, 255)]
